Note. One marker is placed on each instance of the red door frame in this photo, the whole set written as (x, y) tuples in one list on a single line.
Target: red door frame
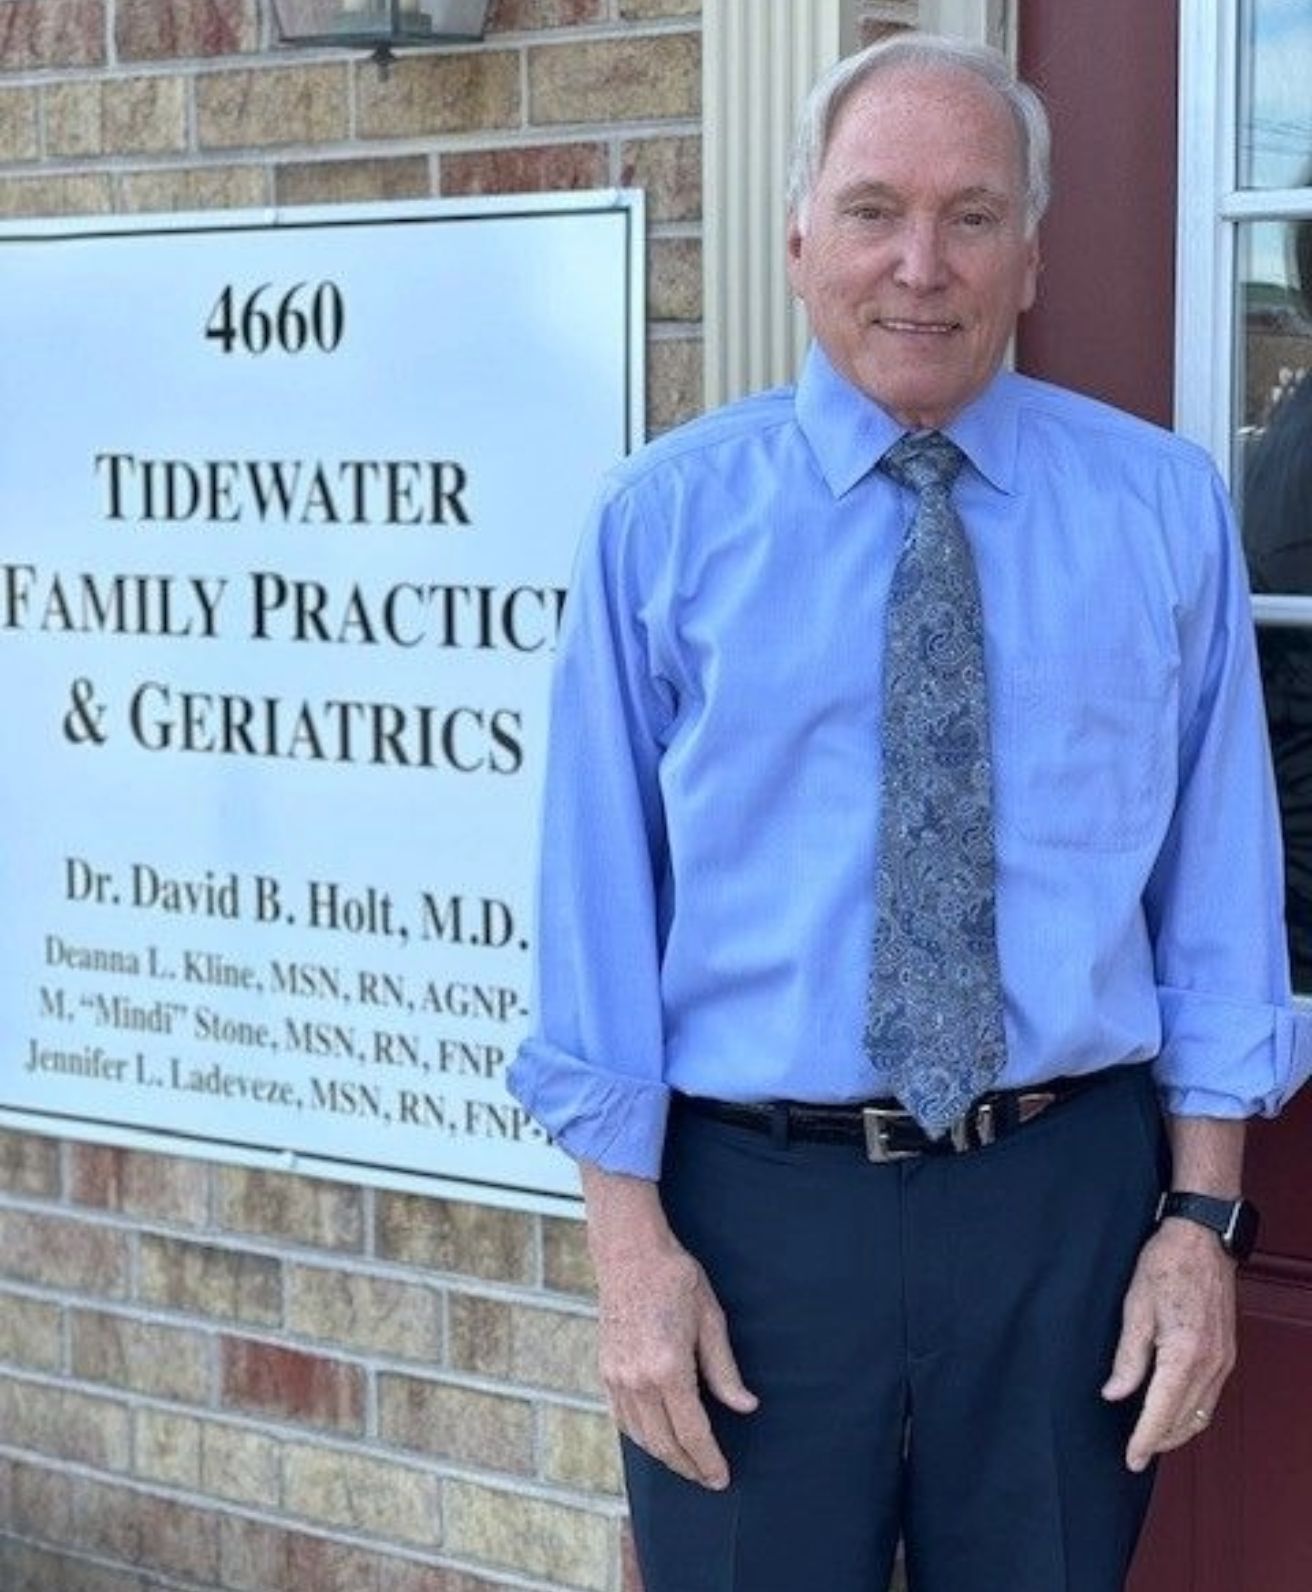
[(1105, 317)]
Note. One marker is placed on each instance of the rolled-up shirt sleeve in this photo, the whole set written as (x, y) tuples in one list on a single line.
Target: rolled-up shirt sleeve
[(591, 1070), (1232, 1043)]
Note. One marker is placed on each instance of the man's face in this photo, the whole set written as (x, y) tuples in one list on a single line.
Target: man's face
[(912, 256)]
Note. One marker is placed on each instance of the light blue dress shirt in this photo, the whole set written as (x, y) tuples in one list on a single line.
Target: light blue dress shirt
[(707, 899)]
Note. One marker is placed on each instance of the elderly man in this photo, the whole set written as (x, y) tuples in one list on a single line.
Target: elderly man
[(909, 913)]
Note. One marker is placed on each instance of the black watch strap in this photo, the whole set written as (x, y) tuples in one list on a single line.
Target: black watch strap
[(1233, 1221)]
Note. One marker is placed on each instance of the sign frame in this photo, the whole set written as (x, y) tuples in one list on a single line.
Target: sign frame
[(628, 209)]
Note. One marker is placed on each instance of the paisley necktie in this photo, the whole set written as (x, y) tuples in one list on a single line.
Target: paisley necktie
[(935, 1010)]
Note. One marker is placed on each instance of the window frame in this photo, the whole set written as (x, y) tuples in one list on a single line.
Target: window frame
[(1212, 207)]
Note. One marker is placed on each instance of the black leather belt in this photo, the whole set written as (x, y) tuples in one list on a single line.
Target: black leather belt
[(884, 1129)]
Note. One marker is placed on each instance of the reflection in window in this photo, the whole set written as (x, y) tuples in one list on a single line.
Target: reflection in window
[(1274, 476), (1273, 463), (1275, 108), (1287, 674)]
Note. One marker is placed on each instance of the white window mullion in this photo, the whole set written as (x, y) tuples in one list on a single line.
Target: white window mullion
[(1291, 612), (1267, 204), (1205, 240)]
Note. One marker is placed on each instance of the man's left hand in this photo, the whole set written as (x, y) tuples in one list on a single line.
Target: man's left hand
[(1178, 1331)]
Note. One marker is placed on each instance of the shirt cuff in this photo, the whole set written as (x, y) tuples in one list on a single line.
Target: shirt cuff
[(614, 1122), (1229, 1058)]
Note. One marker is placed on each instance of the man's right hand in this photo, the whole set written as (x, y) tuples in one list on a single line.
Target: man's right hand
[(661, 1329)]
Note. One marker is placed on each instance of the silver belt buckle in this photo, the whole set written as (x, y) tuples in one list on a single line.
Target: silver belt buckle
[(874, 1119)]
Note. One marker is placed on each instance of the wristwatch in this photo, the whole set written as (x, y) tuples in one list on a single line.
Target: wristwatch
[(1234, 1222)]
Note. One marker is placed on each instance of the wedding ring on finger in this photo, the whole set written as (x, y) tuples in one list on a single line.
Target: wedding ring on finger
[(1202, 1417)]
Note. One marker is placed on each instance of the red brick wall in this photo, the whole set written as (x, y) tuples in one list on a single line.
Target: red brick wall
[(218, 1377)]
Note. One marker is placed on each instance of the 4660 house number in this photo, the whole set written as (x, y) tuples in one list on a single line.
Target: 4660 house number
[(303, 318)]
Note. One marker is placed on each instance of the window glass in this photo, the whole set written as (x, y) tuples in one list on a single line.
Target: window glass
[(1265, 349), (1275, 97), (1287, 676), (1273, 400), (1273, 480)]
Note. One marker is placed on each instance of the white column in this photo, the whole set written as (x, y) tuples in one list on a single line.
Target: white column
[(761, 58)]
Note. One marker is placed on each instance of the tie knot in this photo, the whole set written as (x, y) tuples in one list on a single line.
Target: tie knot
[(922, 460)]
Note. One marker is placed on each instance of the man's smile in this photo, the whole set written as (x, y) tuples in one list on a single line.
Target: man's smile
[(891, 323)]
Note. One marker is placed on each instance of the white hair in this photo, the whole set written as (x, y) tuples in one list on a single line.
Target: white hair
[(924, 50)]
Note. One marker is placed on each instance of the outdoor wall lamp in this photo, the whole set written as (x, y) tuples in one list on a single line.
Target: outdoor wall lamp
[(380, 26)]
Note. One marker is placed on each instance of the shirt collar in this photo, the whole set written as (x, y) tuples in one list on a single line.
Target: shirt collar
[(849, 433)]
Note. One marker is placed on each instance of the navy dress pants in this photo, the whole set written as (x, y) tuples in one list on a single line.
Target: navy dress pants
[(927, 1340)]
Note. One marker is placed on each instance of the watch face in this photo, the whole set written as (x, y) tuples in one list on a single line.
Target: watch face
[(1243, 1231)]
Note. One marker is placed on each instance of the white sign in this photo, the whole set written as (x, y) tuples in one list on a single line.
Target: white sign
[(287, 511)]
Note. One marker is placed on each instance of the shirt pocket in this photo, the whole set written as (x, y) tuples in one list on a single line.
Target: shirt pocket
[(1087, 750)]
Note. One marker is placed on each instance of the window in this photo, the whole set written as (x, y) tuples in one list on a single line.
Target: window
[(1244, 350)]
